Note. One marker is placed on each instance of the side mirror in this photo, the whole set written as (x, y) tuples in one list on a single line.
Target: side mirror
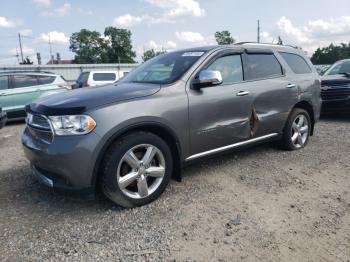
[(207, 78)]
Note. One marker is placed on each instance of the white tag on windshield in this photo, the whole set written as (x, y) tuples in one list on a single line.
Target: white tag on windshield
[(193, 54)]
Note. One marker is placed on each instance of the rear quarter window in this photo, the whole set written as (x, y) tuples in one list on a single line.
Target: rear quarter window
[(296, 63), (104, 77), (260, 66), (45, 80)]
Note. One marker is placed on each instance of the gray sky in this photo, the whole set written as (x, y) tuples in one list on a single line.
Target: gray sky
[(170, 24)]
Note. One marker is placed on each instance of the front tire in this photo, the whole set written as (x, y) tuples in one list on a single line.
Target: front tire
[(297, 130), (136, 169)]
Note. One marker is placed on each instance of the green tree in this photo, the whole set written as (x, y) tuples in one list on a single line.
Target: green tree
[(26, 61), (119, 45), (89, 47), (147, 55), (224, 38), (331, 54), (113, 47)]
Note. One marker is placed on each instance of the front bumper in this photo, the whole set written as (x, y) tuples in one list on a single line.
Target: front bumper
[(67, 163), (3, 119)]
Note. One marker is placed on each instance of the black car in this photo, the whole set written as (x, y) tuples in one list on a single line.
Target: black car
[(336, 86), (3, 118)]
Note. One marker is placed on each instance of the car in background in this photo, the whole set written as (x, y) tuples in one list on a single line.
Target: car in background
[(97, 78), (3, 118), (18, 89), (335, 87)]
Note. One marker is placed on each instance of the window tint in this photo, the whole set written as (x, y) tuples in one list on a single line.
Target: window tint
[(230, 67), (262, 66), (44, 80), (104, 77), (83, 78), (4, 82), (24, 81), (296, 63)]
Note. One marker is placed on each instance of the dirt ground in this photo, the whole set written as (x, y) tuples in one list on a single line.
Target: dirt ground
[(257, 204)]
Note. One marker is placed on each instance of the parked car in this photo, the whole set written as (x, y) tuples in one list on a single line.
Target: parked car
[(97, 78), (17, 89), (131, 137), (3, 118), (336, 87)]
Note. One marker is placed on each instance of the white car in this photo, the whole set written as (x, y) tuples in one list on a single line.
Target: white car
[(96, 78)]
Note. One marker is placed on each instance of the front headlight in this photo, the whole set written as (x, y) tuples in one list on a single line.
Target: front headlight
[(72, 125)]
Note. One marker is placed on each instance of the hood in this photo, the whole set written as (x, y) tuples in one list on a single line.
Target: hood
[(335, 79), (78, 101)]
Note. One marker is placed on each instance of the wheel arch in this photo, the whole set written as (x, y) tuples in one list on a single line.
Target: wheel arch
[(156, 128)]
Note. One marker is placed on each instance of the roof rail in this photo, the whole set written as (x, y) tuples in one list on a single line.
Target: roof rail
[(242, 43), (2, 71)]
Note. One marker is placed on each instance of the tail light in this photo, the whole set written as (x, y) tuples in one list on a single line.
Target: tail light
[(86, 85), (67, 86)]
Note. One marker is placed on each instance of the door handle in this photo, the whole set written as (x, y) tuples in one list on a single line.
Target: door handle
[(291, 86), (242, 93)]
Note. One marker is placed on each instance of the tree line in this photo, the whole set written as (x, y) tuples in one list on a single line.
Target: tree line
[(115, 46)]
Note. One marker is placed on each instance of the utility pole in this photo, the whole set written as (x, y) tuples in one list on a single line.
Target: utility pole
[(20, 45), (51, 55), (258, 31)]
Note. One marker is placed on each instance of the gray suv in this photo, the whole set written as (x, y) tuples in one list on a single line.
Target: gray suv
[(133, 136)]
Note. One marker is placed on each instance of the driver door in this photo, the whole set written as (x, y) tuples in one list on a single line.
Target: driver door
[(220, 115)]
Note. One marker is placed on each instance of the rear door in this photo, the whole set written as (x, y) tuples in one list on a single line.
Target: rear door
[(273, 92), (5, 98), (24, 89)]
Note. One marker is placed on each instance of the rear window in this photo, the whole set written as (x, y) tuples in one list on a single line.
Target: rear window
[(24, 81), (83, 78), (296, 63), (45, 80), (4, 82), (104, 77), (262, 66)]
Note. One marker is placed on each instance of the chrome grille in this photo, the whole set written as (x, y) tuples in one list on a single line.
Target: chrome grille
[(39, 127), (336, 91)]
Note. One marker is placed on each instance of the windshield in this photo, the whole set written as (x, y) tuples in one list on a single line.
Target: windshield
[(339, 68), (163, 69)]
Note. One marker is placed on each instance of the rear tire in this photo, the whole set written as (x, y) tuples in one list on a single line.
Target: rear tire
[(136, 169), (296, 133)]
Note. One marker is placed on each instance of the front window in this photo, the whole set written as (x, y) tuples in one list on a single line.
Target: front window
[(164, 69), (339, 68)]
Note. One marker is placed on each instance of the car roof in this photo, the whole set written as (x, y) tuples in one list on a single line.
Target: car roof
[(27, 73)]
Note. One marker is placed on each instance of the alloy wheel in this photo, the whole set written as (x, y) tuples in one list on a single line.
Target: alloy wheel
[(300, 131), (141, 171)]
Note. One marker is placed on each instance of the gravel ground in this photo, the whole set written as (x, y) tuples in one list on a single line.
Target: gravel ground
[(257, 204)]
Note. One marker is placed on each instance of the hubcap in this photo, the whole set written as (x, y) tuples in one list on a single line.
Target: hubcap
[(141, 171), (300, 131)]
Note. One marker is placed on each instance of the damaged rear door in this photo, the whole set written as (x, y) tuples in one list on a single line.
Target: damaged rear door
[(273, 93), (221, 115)]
